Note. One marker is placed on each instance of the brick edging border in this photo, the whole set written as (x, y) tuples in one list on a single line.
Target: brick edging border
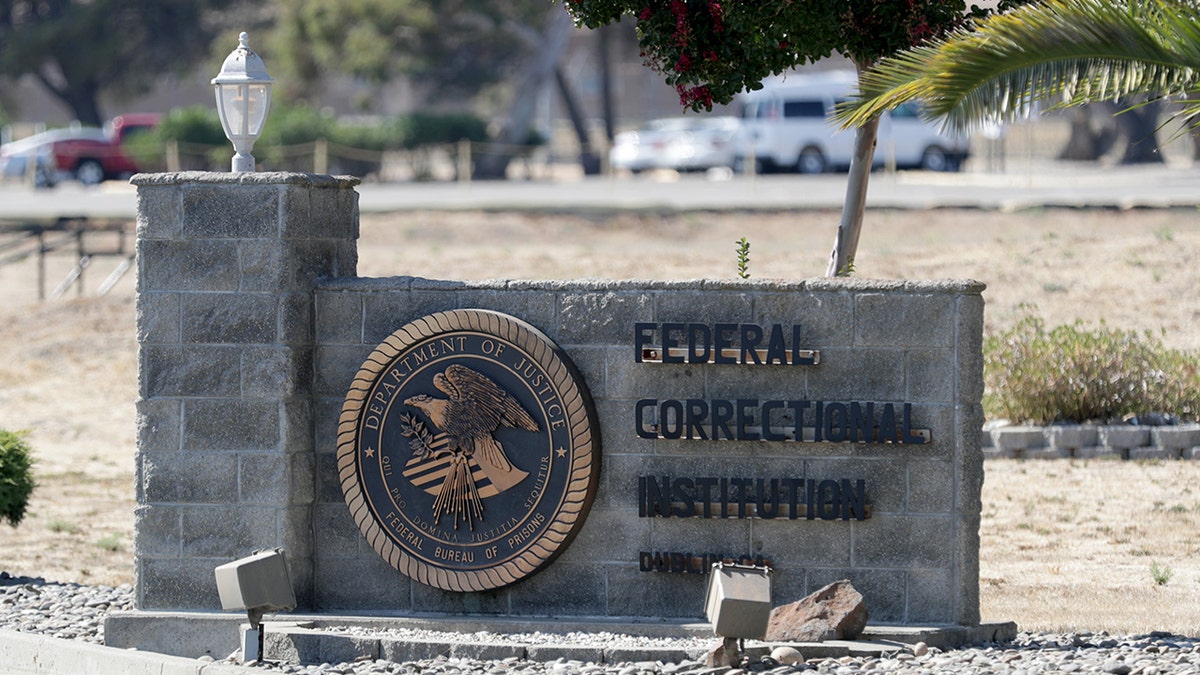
[(1093, 441)]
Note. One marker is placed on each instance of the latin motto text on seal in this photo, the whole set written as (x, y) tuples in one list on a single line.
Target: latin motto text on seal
[(468, 450)]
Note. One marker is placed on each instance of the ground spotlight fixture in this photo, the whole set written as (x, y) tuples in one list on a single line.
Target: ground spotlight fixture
[(258, 583), (738, 604)]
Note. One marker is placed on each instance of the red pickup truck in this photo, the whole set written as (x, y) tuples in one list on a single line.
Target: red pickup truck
[(87, 154), (96, 155)]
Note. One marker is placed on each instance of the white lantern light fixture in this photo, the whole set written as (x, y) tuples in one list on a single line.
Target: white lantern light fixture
[(243, 90)]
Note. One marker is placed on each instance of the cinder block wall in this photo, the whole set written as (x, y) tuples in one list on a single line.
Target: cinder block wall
[(226, 268), (251, 325), (915, 559)]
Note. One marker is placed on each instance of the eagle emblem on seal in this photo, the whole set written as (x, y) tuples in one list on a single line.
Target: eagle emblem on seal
[(467, 419)]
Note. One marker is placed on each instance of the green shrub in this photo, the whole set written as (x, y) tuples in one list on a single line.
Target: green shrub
[(294, 125), (419, 129), (200, 139), (1160, 573), (110, 543), (16, 477), (374, 137), (63, 526), (287, 137), (147, 151), (196, 124), (290, 129), (1073, 374)]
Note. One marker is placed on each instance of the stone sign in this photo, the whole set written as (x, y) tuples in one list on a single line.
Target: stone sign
[(827, 427)]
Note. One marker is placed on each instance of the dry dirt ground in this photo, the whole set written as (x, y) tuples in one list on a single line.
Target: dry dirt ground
[(1064, 544)]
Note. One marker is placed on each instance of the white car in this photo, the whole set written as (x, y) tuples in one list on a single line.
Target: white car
[(688, 143), (15, 158), (786, 127)]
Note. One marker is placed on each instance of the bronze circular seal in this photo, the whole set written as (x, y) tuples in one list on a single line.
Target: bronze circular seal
[(468, 450)]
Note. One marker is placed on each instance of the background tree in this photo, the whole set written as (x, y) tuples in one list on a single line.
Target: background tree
[(461, 46), (545, 45), (1067, 52), (7, 105), (1097, 130), (1092, 133), (711, 50), (78, 49), (455, 50), (1137, 122)]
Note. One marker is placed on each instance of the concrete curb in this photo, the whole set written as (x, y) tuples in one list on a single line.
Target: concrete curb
[(303, 644), (28, 653), (306, 638), (306, 644), (1093, 441), (291, 642)]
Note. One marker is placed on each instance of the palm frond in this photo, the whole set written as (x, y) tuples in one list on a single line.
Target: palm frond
[(1060, 52)]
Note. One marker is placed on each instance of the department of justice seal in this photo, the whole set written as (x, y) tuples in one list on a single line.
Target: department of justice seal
[(468, 450)]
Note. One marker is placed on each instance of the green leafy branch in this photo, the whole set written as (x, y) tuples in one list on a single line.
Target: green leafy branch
[(743, 258), (848, 269)]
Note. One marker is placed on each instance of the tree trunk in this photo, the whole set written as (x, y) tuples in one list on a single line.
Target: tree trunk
[(80, 99), (606, 82), (1088, 141), (1140, 126), (845, 242), (493, 164), (587, 156)]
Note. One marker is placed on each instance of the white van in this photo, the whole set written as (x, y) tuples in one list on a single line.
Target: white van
[(786, 127)]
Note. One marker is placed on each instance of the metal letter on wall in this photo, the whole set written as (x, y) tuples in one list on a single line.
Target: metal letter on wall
[(468, 450)]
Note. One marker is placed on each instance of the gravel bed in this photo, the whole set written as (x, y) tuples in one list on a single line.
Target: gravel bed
[(77, 612), (581, 639), (71, 611)]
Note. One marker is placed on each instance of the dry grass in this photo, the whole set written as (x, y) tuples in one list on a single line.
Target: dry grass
[(68, 375), (1065, 544), (1070, 544), (1133, 269)]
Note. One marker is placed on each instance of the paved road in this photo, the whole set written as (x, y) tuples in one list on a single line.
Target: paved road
[(1046, 184)]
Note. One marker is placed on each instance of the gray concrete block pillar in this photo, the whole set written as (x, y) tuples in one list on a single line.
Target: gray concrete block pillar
[(227, 265)]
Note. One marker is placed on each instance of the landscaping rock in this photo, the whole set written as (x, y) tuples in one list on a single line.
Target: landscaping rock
[(835, 612), (788, 656)]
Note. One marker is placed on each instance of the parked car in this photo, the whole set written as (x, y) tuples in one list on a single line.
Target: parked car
[(786, 127), (88, 154), (707, 144), (15, 158), (689, 143)]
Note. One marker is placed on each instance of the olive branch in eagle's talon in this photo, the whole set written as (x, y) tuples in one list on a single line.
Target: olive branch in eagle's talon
[(421, 441)]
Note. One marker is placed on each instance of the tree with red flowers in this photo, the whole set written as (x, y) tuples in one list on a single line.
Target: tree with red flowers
[(711, 50)]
